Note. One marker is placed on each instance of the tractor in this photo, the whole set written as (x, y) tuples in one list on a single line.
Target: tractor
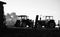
[(24, 21), (47, 23)]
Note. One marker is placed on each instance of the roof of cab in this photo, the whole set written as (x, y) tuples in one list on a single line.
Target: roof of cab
[(22, 16)]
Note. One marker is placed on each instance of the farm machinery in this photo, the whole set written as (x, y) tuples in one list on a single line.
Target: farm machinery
[(24, 22), (47, 23)]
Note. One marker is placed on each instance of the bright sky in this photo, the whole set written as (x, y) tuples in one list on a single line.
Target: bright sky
[(33, 7)]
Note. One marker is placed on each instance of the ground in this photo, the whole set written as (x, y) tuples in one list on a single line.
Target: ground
[(11, 32)]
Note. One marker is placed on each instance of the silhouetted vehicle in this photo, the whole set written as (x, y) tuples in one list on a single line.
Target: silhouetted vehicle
[(48, 23), (24, 22)]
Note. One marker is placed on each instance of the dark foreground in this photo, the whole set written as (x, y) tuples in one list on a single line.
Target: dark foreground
[(19, 32)]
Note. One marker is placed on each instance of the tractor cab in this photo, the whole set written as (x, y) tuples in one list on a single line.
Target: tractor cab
[(23, 17), (48, 18), (50, 22)]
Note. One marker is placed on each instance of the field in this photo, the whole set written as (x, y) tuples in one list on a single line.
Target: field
[(20, 32)]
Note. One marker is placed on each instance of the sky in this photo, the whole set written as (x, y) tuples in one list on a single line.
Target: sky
[(33, 8)]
